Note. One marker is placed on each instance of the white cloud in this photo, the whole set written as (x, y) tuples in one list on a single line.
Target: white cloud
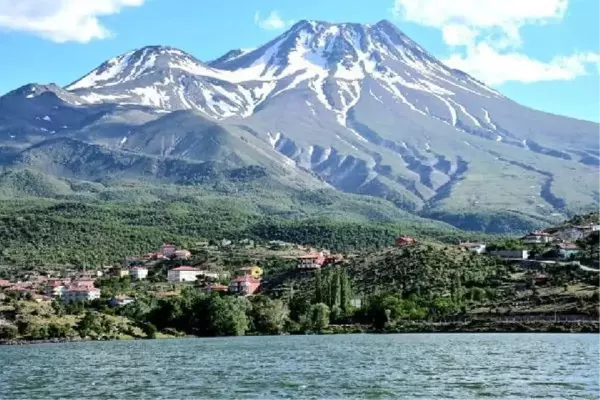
[(273, 21), (61, 20), (495, 68), (486, 35)]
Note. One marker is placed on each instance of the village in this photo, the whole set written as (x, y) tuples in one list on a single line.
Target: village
[(532, 251), (79, 285)]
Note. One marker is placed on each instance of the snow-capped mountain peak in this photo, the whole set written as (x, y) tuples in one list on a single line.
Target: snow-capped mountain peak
[(310, 55)]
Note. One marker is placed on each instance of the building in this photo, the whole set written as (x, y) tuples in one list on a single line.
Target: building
[(121, 272), (168, 250), (5, 283), (183, 274), (537, 238), (182, 254), (510, 254), (311, 261), (138, 273), (567, 250), (82, 283), (74, 294), (253, 271), (119, 301), (54, 288), (209, 274), (478, 248), (405, 241), (40, 298), (244, 285), (215, 288)]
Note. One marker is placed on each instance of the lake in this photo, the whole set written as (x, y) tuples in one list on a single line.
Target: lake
[(462, 366)]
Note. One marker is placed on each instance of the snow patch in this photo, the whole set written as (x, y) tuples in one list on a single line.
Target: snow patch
[(151, 96), (486, 116), (273, 139), (498, 138), (47, 118), (466, 113), (123, 141)]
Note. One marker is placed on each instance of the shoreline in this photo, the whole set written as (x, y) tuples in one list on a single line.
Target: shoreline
[(472, 327)]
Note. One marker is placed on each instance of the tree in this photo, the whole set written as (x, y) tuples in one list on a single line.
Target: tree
[(318, 288), (226, 316), (319, 317), (8, 331), (269, 316)]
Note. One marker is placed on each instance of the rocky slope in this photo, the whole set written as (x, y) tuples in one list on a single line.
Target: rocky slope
[(361, 108)]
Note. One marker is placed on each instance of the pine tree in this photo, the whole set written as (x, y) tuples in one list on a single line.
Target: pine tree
[(335, 288), (318, 288), (345, 292)]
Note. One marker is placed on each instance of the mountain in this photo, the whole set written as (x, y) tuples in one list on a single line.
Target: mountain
[(359, 108)]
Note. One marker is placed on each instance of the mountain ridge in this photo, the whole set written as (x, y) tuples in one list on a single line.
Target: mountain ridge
[(363, 108)]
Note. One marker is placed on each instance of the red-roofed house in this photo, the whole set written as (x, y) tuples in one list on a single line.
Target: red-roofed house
[(244, 285), (311, 261), (405, 241), (168, 250), (183, 274), (4, 283), (82, 283)]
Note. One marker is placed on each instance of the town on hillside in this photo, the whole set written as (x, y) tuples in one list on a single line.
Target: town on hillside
[(78, 285)]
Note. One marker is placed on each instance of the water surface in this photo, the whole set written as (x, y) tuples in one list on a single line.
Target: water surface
[(461, 366)]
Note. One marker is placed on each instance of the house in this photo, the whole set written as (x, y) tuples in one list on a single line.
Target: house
[(168, 250), (215, 288), (311, 261), (537, 237), (121, 272), (139, 273), (182, 254), (119, 301), (253, 271), (478, 248), (567, 250), (54, 288), (40, 298), (244, 285), (82, 283), (183, 274), (75, 294), (510, 254), (5, 283), (405, 241), (209, 274)]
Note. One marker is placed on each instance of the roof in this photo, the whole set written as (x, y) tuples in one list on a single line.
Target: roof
[(185, 268), (568, 246), (538, 233), (314, 255)]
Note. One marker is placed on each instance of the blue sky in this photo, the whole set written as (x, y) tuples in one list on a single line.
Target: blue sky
[(541, 53)]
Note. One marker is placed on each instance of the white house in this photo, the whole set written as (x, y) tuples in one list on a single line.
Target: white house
[(138, 273), (183, 274), (478, 248), (73, 294)]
